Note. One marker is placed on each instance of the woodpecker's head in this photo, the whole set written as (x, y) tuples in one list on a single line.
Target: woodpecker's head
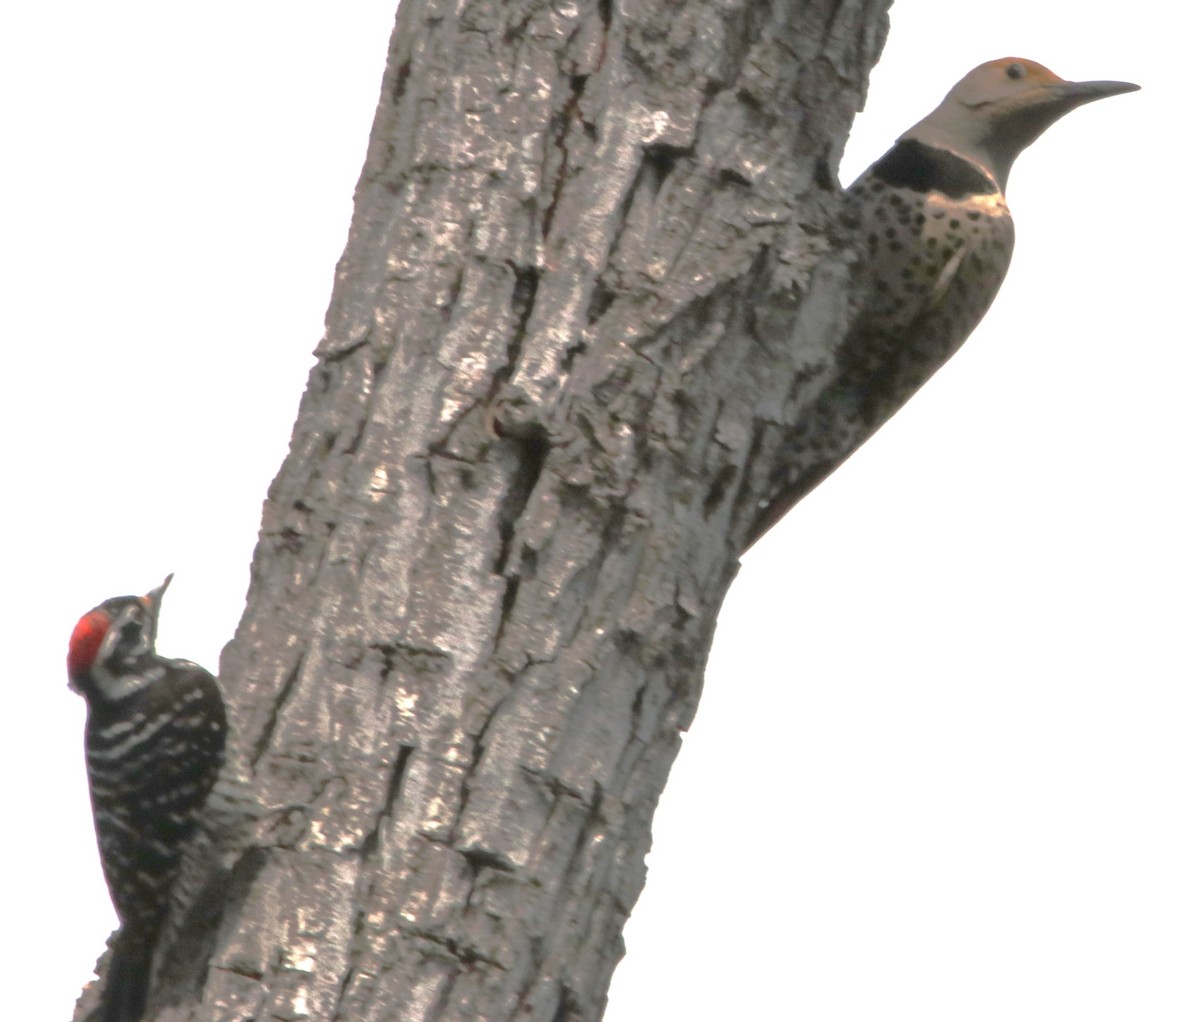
[(1000, 108), (111, 644)]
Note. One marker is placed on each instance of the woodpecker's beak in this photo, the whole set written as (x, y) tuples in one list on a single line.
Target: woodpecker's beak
[(153, 602), (154, 598)]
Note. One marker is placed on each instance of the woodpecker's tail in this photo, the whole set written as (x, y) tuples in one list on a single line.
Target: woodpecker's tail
[(127, 980)]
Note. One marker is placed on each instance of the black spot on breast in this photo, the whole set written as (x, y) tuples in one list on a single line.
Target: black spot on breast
[(922, 168)]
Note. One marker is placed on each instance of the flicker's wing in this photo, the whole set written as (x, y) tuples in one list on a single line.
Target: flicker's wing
[(931, 265)]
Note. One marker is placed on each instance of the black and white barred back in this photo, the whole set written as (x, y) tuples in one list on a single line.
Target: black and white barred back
[(155, 742)]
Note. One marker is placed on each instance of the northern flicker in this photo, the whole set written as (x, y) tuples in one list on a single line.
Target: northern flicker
[(936, 237)]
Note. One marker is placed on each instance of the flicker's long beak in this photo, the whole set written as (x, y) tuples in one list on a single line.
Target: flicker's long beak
[(1021, 119), (1086, 92), (1031, 113)]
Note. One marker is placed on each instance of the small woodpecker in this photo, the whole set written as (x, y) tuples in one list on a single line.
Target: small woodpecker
[(154, 742), (936, 238)]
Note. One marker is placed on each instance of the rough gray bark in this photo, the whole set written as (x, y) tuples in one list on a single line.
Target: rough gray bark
[(590, 274)]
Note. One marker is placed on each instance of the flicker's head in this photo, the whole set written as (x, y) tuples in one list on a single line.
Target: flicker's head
[(1001, 107)]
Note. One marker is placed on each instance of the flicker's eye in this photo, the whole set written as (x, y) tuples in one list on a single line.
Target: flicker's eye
[(1015, 71)]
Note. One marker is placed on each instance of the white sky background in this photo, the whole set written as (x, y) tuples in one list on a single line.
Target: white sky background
[(946, 764)]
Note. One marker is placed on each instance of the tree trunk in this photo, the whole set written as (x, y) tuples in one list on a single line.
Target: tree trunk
[(590, 275)]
